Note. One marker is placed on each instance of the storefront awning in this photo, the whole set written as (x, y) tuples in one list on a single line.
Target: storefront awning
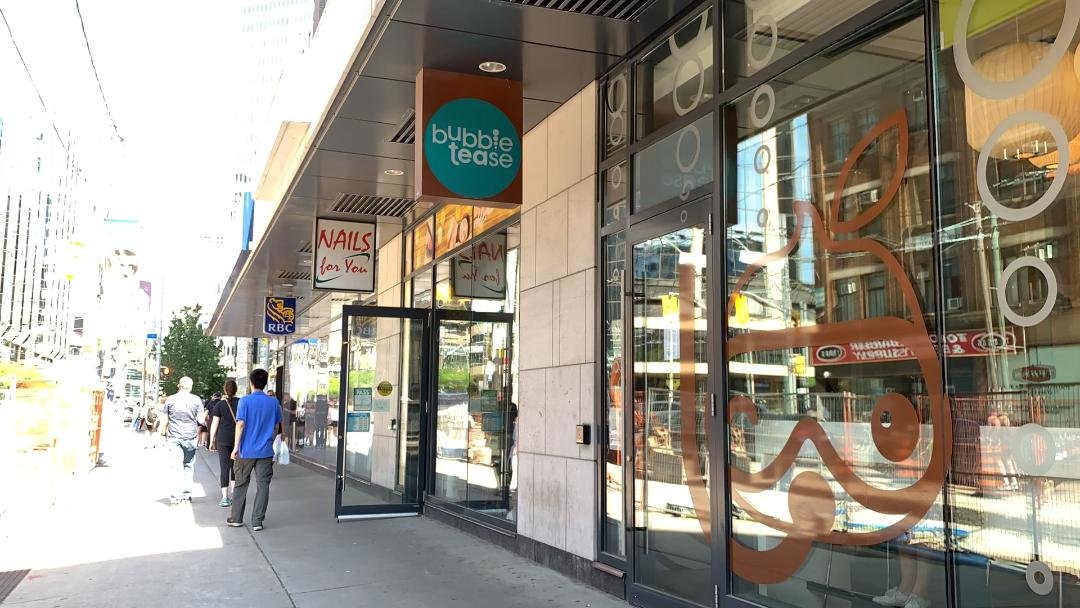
[(352, 159)]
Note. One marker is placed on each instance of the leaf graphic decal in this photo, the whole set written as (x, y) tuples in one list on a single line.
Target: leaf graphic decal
[(897, 120)]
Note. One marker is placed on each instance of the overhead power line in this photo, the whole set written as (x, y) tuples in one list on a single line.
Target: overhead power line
[(108, 111), (31, 77)]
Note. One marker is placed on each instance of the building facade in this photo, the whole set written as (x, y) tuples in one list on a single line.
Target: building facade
[(783, 317), (40, 181)]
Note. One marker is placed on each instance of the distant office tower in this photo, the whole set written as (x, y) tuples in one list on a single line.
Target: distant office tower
[(273, 32), (39, 184)]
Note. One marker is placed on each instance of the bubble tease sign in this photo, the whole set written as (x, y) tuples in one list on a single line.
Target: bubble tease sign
[(344, 256), (468, 146)]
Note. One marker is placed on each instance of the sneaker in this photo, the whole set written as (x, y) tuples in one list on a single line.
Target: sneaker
[(893, 597), (225, 502), (258, 528), (234, 524), (915, 601)]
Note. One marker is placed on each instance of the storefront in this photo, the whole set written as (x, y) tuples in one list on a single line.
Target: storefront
[(781, 316)]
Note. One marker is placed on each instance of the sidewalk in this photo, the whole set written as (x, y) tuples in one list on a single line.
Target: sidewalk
[(121, 545)]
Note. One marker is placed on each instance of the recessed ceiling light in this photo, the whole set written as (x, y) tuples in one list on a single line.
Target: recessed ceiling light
[(492, 67), (394, 172)]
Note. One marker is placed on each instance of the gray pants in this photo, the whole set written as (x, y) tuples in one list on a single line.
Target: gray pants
[(243, 468)]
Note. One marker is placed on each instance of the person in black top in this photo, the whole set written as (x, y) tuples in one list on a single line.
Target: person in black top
[(223, 436)]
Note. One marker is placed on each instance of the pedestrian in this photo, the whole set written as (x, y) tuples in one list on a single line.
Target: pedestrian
[(258, 422), (223, 438), (181, 427), (205, 417)]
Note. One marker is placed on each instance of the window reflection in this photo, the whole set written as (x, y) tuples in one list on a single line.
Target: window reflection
[(476, 426), (766, 30), (314, 380), (476, 404), (676, 77), (836, 402), (672, 518), (614, 269), (1009, 191)]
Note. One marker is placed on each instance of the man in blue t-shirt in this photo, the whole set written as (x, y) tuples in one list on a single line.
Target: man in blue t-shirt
[(258, 421)]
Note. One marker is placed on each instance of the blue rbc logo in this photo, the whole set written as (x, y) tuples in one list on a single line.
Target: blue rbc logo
[(279, 316), (472, 148)]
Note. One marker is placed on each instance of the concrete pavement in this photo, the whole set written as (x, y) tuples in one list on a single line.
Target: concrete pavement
[(115, 542)]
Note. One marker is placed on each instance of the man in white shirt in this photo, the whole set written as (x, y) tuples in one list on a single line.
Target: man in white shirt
[(180, 427)]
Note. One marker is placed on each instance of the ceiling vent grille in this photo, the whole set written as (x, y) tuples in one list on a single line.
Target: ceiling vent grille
[(305, 248), (294, 275), (612, 9), (363, 204), (406, 130)]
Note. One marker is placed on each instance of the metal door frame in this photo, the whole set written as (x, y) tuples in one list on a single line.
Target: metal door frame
[(422, 316)]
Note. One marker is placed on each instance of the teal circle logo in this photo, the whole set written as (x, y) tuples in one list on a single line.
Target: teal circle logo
[(472, 148)]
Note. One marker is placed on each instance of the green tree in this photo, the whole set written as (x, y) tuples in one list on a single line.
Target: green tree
[(187, 351)]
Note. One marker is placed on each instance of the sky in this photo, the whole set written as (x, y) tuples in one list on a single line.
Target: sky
[(168, 70)]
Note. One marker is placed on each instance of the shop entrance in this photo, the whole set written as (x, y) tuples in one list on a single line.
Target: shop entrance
[(425, 413), (673, 553), (381, 417)]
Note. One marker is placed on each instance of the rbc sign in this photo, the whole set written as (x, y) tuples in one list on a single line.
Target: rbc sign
[(279, 316)]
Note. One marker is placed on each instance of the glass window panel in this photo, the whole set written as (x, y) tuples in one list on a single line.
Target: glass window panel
[(763, 31), (615, 188), (490, 265), (678, 167), (676, 77), (315, 380), (672, 527), (476, 418), (836, 400), (611, 437), (1009, 129), (422, 289), (616, 109)]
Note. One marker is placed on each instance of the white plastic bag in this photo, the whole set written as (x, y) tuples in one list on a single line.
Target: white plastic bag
[(282, 452)]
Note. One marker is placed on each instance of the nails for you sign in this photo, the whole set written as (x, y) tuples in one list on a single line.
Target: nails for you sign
[(344, 255)]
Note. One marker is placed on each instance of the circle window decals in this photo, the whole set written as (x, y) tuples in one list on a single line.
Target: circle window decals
[(1010, 88), (1051, 291), (1051, 194), (759, 120), (755, 62), (1033, 449), (1040, 578), (762, 159)]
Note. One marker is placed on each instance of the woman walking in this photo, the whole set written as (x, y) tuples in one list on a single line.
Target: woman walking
[(223, 436)]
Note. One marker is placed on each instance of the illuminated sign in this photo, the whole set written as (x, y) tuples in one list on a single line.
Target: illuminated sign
[(344, 256)]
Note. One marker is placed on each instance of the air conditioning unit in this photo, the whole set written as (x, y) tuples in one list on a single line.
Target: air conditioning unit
[(953, 304)]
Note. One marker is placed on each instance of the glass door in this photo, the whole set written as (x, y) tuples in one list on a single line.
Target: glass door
[(379, 411), (475, 415), (672, 417)]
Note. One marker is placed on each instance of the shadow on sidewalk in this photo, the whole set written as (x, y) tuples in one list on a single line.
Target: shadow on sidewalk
[(144, 553)]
